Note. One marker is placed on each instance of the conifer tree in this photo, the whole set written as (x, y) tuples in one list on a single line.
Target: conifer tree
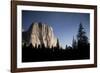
[(57, 44), (82, 39), (74, 44)]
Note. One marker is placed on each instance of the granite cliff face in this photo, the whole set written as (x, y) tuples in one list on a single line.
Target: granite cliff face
[(38, 34)]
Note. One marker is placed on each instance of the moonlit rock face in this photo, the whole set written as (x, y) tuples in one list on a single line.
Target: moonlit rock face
[(39, 34)]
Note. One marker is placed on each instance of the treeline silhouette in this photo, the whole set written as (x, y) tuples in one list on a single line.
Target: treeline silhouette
[(79, 50)]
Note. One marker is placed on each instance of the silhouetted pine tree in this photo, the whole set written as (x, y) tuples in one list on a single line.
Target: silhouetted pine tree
[(43, 46), (58, 44), (66, 47), (81, 37), (39, 46), (35, 46), (82, 42), (30, 46), (74, 44)]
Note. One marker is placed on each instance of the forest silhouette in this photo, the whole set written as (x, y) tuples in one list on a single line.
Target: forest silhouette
[(79, 50)]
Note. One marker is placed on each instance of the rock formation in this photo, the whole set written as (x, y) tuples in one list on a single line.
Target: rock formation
[(39, 34)]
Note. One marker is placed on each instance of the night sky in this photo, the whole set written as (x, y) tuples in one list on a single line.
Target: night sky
[(65, 25)]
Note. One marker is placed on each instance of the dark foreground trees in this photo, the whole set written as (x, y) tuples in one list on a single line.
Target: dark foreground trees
[(82, 42), (80, 49)]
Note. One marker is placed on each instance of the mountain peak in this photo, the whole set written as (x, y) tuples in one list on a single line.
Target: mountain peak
[(40, 33)]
